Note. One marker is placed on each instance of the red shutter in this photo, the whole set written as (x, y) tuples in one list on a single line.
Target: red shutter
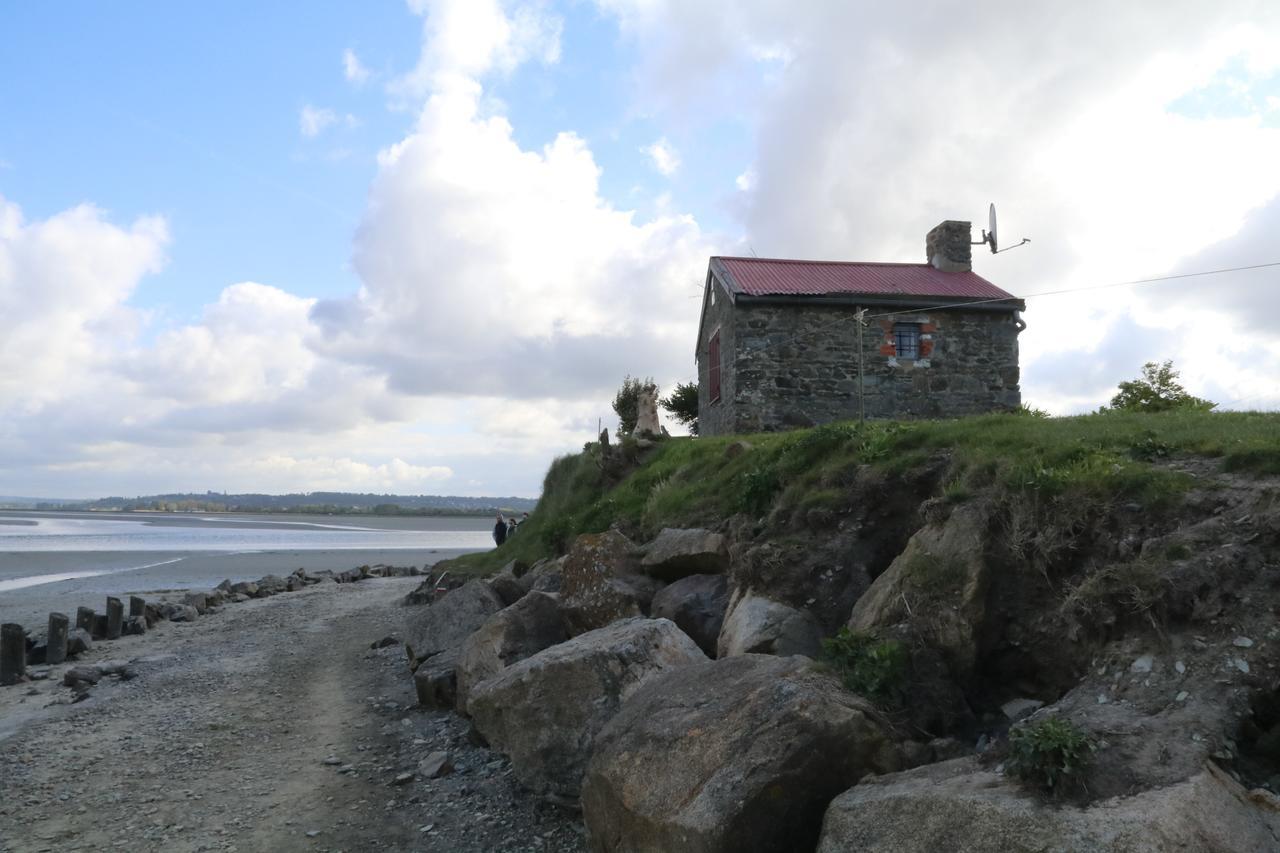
[(713, 366)]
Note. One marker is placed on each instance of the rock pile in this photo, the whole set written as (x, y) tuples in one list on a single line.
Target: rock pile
[(672, 690), (19, 649)]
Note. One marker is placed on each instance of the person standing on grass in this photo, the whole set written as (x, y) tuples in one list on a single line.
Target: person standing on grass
[(500, 530), (511, 526)]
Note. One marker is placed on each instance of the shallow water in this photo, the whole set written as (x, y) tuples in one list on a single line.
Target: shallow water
[(53, 560), (174, 532)]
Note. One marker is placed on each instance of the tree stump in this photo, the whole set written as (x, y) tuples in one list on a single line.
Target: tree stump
[(56, 648), (84, 618), (115, 618), (13, 653)]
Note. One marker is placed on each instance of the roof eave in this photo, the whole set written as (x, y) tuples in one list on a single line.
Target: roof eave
[(997, 305)]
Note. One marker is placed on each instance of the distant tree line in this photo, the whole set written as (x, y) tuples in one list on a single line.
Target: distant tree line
[(314, 503)]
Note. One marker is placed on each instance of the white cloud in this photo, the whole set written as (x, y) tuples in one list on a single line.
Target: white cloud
[(492, 270), (663, 156), (353, 69), (503, 295), (872, 125), (464, 40), (488, 346), (63, 286), (313, 120)]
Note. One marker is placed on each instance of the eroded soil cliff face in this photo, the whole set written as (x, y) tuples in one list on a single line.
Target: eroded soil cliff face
[(1156, 615)]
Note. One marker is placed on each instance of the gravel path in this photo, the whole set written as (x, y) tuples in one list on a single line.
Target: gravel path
[(268, 725)]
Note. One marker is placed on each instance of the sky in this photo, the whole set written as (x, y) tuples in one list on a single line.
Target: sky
[(415, 247)]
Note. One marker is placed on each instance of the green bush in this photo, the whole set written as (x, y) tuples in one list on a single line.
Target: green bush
[(556, 535), (1148, 447), (682, 405), (1051, 754), (626, 402), (1158, 390), (759, 485), (869, 667)]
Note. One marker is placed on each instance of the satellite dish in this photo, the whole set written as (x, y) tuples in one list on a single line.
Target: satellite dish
[(989, 235)]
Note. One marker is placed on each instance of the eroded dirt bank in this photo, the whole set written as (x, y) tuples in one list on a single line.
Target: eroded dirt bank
[(268, 725)]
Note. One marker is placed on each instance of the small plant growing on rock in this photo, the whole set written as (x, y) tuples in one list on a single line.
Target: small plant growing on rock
[(869, 667), (1051, 754)]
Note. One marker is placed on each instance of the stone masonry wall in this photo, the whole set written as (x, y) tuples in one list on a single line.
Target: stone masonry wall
[(798, 365), (716, 418)]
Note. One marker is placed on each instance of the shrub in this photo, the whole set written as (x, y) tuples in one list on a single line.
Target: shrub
[(869, 667), (1158, 390), (556, 534), (1051, 754), (682, 404), (759, 485), (626, 402), (1148, 447)]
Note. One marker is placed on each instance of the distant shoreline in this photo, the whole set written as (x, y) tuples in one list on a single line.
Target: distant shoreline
[(125, 573), (426, 512)]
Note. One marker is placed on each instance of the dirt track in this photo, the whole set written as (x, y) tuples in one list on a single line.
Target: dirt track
[(220, 742)]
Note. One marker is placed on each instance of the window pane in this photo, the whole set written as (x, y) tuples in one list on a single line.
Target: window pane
[(906, 340)]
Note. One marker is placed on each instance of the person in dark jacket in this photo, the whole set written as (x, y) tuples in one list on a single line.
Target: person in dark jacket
[(500, 530)]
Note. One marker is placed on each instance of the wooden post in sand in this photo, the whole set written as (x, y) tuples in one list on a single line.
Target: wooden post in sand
[(56, 648), (115, 618), (84, 619), (137, 607), (13, 653)]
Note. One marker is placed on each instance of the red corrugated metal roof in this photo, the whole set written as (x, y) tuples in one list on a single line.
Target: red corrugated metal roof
[(780, 277)]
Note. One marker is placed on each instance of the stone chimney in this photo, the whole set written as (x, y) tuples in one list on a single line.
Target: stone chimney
[(947, 246)]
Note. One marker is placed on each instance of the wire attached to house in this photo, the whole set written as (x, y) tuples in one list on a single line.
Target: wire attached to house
[(951, 306), (1091, 287)]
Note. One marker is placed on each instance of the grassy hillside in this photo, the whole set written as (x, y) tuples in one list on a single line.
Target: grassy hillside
[(701, 481)]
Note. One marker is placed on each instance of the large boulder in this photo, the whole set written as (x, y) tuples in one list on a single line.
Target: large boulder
[(179, 612), (730, 756), (755, 624), (544, 576), (697, 604), (939, 585), (545, 710), (677, 553), (525, 628), (248, 588), (601, 582), (453, 618), (198, 600), (271, 585), (958, 807), (506, 583), (435, 680)]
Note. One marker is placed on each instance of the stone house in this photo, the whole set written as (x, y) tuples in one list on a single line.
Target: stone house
[(778, 340)]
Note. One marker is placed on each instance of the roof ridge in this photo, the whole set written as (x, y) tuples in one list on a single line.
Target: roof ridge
[(831, 263)]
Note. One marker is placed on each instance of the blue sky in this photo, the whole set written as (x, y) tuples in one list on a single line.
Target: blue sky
[(192, 112), (414, 246)]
